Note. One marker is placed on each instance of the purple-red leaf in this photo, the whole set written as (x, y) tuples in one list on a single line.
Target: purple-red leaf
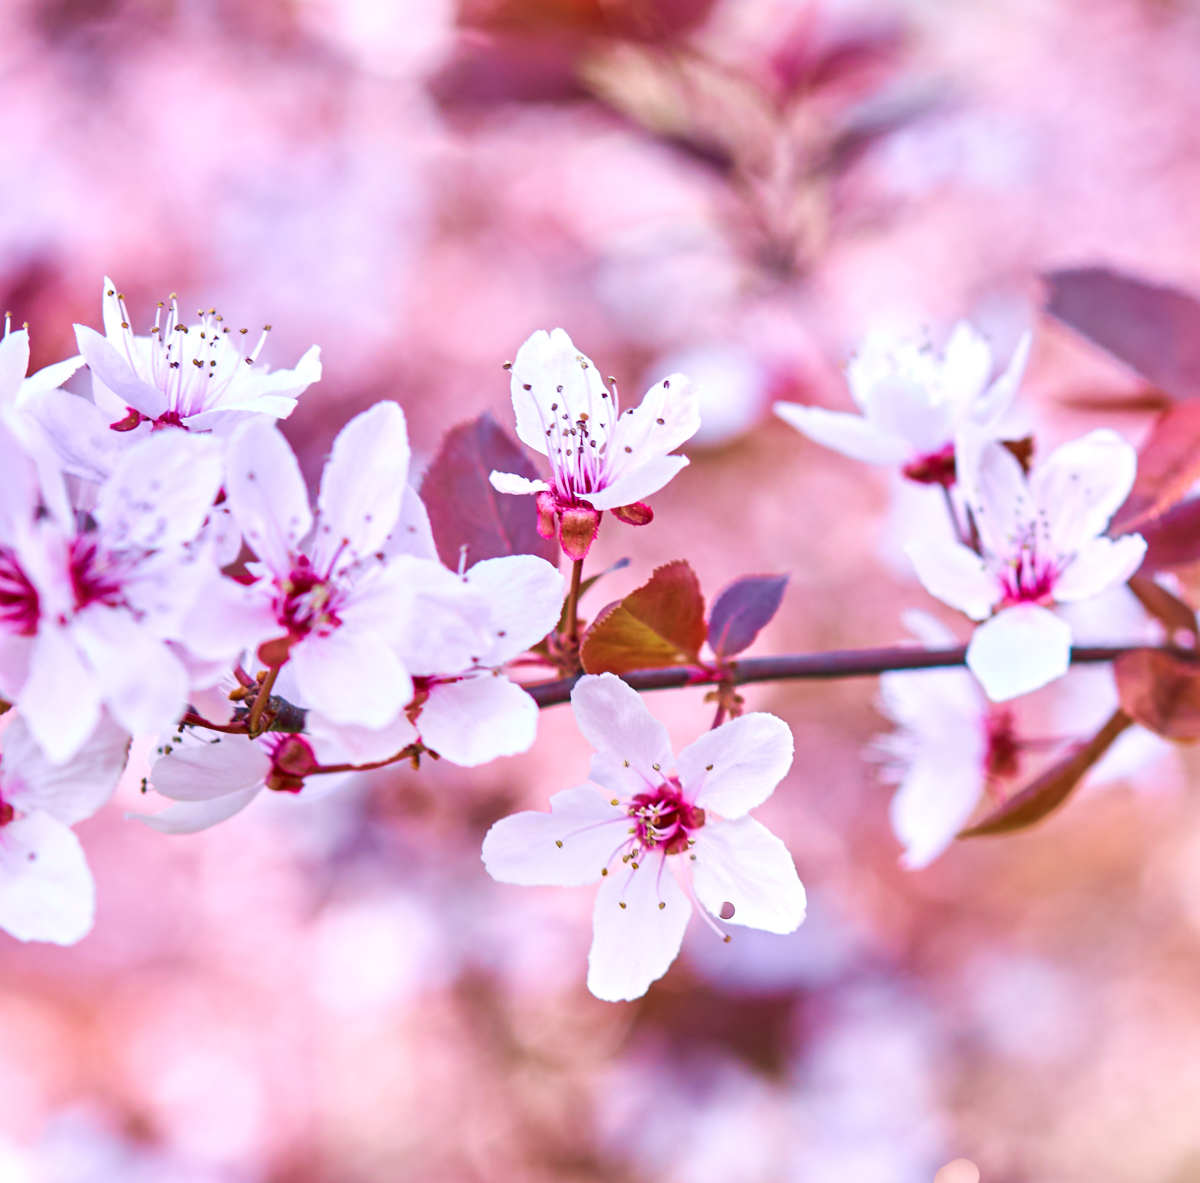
[(1048, 791), (464, 509), (660, 624), (742, 610), (1168, 466), (1154, 330), (1172, 540), (1161, 692)]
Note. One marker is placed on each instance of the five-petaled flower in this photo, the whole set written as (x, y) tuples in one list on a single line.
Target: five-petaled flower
[(196, 375), (1042, 543), (914, 403), (46, 889), (602, 458), (663, 833)]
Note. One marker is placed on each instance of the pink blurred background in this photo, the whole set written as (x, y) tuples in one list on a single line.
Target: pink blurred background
[(740, 189)]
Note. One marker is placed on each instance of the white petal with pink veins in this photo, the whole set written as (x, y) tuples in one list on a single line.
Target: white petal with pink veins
[(350, 677), (851, 435), (477, 719), (267, 493), (1019, 650), (568, 847), (78, 431), (616, 722), (442, 627), (1082, 484), (362, 487), (524, 596), (201, 766), (160, 491), (68, 792), (638, 483), (956, 575), (736, 766), (60, 700), (936, 796), (412, 534), (639, 921), (46, 889), (1100, 564), (510, 482), (900, 408), (228, 618), (190, 817), (741, 862)]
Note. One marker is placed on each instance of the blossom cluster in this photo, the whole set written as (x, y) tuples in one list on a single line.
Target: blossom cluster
[(164, 575)]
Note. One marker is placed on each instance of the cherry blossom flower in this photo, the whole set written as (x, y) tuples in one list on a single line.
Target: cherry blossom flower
[(89, 614), (350, 622), (1042, 543), (46, 889), (601, 457), (197, 376), (661, 841), (949, 743), (914, 403), (474, 715)]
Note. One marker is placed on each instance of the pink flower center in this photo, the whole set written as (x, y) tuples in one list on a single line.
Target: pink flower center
[(934, 468), (7, 812), (663, 819), (18, 598), (95, 577), (308, 601), (1028, 578)]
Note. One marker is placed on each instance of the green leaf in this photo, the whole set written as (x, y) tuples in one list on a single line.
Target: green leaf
[(660, 624)]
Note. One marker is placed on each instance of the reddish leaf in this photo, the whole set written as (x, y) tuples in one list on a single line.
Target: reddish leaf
[(464, 509), (662, 623), (742, 610), (1161, 692), (1168, 466), (1153, 329), (1048, 791), (1172, 540), (1174, 613)]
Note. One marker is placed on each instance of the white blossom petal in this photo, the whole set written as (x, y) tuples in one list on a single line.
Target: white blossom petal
[(742, 863), (1019, 650), (1082, 484), (900, 408), (1100, 564), (190, 817), (14, 361), (67, 792), (477, 719), (736, 766), (511, 482), (412, 533), (524, 595), (60, 700), (637, 483), (267, 493), (998, 397), (348, 743), (547, 370), (362, 487), (669, 415), (78, 431), (994, 486), (200, 766), (350, 677), (568, 847), (639, 921), (616, 722), (118, 375), (936, 796), (966, 364), (956, 575), (46, 889), (160, 491), (851, 435)]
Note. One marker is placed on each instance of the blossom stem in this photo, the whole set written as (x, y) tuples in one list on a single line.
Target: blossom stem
[(838, 663), (192, 719), (571, 632), (406, 753)]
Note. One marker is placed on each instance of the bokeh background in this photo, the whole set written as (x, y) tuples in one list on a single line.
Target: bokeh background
[(736, 188)]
